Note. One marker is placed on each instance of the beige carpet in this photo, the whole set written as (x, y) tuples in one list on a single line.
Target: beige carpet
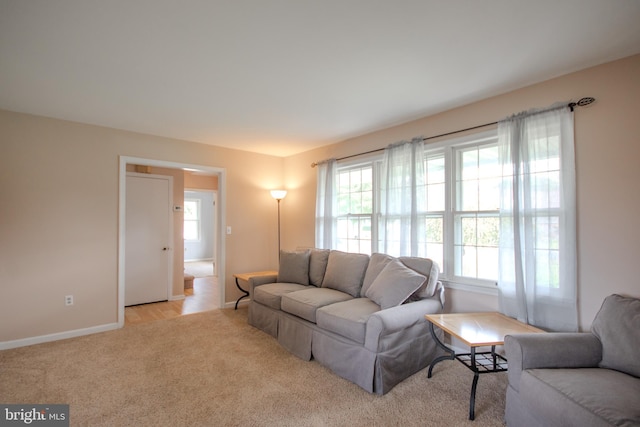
[(199, 268), (212, 369)]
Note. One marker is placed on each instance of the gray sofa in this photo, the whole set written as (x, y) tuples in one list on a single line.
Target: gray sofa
[(360, 316), (578, 379)]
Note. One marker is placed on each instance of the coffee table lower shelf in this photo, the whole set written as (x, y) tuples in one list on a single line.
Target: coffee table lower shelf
[(486, 362)]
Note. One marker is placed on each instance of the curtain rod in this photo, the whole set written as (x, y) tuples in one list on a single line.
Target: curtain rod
[(581, 103)]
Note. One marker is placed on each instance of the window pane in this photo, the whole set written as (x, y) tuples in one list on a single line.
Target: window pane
[(489, 194), (487, 263), (488, 231), (191, 230), (435, 197), (191, 209)]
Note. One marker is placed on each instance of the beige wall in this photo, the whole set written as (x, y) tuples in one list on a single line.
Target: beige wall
[(607, 151), (59, 200), (200, 182), (59, 218)]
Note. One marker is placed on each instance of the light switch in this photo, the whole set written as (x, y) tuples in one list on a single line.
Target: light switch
[(228, 229)]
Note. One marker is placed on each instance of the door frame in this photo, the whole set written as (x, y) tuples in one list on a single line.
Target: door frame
[(220, 251), (169, 207)]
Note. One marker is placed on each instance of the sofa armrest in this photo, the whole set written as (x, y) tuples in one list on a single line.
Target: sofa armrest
[(261, 280), (395, 319), (552, 350)]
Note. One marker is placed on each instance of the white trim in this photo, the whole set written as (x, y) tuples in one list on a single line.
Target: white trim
[(232, 304), (478, 289), (23, 342), (222, 222), (176, 297)]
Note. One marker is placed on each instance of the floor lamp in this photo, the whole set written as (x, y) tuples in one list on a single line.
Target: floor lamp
[(278, 195)]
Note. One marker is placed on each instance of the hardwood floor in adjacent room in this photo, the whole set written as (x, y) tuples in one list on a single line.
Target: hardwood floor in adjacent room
[(204, 296)]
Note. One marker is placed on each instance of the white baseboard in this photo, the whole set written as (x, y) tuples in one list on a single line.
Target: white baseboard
[(176, 297), (232, 304), (6, 345)]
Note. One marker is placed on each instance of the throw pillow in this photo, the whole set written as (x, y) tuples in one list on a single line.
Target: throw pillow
[(376, 264), (617, 325), (318, 265), (394, 285), (345, 272), (294, 267), (427, 267)]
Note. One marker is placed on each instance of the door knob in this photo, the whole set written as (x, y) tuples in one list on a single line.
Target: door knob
[(165, 249)]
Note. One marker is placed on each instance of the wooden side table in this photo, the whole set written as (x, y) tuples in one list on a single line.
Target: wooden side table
[(245, 277), (476, 330)]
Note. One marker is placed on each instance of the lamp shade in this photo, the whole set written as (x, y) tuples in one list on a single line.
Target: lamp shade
[(278, 194)]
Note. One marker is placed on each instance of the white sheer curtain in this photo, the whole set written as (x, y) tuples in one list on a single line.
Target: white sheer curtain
[(402, 194), (326, 205), (538, 263)]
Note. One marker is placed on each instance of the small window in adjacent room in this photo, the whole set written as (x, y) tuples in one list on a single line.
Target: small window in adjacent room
[(192, 219)]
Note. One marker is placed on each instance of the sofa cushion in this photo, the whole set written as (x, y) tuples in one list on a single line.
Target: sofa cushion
[(348, 318), (586, 396), (394, 285), (318, 265), (271, 294), (617, 325), (376, 263), (294, 267), (427, 268), (305, 303), (345, 272)]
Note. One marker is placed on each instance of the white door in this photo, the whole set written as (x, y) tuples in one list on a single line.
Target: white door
[(147, 238)]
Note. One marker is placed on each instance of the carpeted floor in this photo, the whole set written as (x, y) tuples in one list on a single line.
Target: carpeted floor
[(199, 268), (212, 369)]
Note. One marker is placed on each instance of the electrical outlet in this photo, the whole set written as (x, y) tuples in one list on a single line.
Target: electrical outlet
[(68, 300)]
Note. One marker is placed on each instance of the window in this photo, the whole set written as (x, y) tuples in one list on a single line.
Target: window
[(458, 209), (192, 219), (355, 209), (476, 215)]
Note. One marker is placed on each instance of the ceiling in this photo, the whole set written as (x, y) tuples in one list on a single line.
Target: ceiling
[(285, 76)]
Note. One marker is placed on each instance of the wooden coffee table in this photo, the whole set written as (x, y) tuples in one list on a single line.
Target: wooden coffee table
[(476, 330)]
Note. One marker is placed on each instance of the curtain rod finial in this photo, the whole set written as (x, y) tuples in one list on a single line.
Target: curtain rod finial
[(314, 164)]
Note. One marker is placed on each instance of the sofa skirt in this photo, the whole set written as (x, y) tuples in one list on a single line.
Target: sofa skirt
[(347, 359), (264, 318), (295, 335)]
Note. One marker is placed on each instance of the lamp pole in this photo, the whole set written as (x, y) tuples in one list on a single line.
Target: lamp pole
[(278, 228), (278, 195)]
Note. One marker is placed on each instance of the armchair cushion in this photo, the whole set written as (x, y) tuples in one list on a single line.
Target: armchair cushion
[(555, 350), (617, 325), (594, 397)]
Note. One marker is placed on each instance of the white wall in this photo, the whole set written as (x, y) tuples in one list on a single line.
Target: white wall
[(202, 249)]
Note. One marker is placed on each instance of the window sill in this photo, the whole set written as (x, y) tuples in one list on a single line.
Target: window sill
[(478, 289)]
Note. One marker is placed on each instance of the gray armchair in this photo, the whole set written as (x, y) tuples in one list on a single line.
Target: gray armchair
[(578, 379)]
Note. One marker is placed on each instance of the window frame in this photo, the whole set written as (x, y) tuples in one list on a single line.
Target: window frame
[(448, 149)]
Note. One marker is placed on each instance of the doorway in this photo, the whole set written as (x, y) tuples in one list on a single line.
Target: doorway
[(219, 249), (200, 236)]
